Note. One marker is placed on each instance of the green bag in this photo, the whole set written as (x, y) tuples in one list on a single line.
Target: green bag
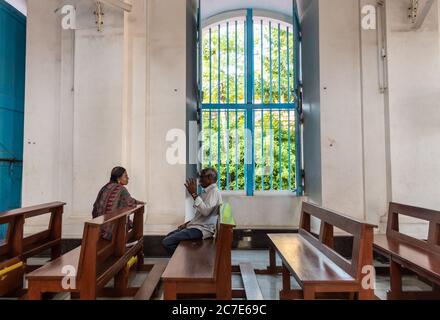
[(226, 214)]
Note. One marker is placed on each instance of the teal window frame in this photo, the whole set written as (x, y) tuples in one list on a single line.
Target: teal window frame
[(249, 107)]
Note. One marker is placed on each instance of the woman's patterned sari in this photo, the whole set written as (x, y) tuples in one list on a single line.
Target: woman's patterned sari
[(111, 198)]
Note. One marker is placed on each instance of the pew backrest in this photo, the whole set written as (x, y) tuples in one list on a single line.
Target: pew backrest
[(361, 231), (432, 243), (16, 244), (95, 250)]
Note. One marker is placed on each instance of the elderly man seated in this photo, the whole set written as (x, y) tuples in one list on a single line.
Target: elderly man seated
[(206, 205)]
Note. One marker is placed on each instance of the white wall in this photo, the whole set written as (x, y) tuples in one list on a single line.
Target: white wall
[(341, 134), (269, 211), (414, 103), (166, 105), (42, 163), (375, 147), (96, 100), (74, 108)]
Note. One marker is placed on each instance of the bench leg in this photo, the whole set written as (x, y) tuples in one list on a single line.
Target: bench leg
[(395, 281), (366, 294), (83, 295), (121, 281), (272, 269), (34, 293), (224, 283), (169, 291), (140, 261), (223, 291), (285, 293), (286, 279), (309, 293)]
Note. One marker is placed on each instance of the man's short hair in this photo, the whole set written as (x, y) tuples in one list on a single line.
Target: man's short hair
[(209, 172)]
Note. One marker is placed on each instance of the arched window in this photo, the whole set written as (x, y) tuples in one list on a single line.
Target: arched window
[(249, 80)]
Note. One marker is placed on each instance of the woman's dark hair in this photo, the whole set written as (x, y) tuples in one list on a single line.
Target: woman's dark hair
[(117, 172)]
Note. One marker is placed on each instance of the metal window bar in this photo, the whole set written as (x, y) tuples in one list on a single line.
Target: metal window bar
[(262, 102), (250, 141), (219, 101), (227, 101), (271, 101), (236, 102), (210, 96), (280, 173), (288, 120)]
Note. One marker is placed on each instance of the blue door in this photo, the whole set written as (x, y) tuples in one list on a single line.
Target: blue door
[(12, 77)]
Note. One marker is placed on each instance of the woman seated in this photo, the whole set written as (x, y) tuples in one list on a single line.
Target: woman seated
[(113, 197)]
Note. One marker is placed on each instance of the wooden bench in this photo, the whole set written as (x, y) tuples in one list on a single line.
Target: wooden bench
[(420, 256), (86, 270), (17, 248), (314, 263), (204, 266)]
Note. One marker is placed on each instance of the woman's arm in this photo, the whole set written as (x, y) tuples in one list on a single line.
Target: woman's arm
[(127, 200)]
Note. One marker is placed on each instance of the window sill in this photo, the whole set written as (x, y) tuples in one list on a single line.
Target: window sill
[(262, 194)]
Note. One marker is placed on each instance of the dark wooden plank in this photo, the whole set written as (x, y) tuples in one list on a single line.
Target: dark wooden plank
[(192, 260), (415, 212), (339, 220), (109, 268), (40, 247), (339, 260), (412, 255), (53, 270), (250, 282), (35, 239), (30, 211), (306, 262), (104, 219), (150, 283)]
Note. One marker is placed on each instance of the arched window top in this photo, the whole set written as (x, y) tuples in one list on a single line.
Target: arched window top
[(240, 15)]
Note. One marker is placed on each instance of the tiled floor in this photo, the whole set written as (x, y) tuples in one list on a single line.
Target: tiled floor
[(270, 285)]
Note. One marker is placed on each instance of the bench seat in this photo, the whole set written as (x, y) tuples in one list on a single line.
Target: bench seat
[(413, 257), (97, 261), (53, 269), (182, 268), (307, 263), (319, 269), (203, 267), (105, 271), (421, 256)]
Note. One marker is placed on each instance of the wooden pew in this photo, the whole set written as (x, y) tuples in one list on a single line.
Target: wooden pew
[(317, 267), (86, 270), (17, 248), (202, 267), (420, 256)]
